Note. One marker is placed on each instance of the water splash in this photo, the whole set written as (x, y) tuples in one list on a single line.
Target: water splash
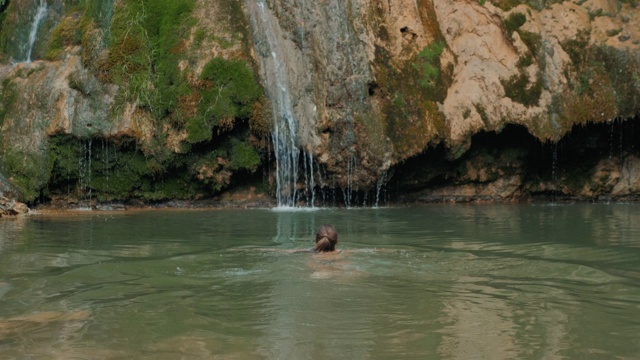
[(35, 25)]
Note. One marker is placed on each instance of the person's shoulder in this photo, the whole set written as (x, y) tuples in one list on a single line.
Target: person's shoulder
[(329, 253)]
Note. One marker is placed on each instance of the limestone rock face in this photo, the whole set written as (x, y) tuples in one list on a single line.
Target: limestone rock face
[(55, 97), (546, 68), (96, 74), (356, 87), (628, 178), (489, 55), (44, 99)]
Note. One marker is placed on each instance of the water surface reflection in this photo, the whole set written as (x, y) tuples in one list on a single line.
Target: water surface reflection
[(452, 282)]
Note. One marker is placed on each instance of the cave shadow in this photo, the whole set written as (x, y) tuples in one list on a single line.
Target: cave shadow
[(547, 169)]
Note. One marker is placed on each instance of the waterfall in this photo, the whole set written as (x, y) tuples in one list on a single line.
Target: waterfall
[(35, 25), (284, 133), (379, 185), (554, 172), (84, 173), (309, 180), (310, 55)]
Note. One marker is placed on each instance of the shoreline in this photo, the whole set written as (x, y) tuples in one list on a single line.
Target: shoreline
[(252, 199), (213, 204)]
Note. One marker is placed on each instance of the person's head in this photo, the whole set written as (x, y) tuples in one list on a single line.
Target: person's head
[(326, 239)]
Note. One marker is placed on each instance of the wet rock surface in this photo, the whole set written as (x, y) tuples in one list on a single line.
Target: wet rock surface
[(366, 87)]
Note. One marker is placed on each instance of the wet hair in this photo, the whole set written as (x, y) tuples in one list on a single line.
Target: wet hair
[(326, 239)]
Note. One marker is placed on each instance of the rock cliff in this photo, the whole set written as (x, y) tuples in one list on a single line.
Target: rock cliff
[(431, 100)]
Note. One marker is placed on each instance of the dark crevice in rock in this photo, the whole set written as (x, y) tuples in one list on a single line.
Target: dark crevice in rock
[(592, 162), (372, 87)]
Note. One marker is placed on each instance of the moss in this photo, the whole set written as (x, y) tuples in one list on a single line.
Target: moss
[(412, 117), (174, 188), (3, 12), (235, 80), (532, 40), (8, 97), (524, 62), (517, 88), (613, 32), (199, 37), (514, 22), (428, 64), (595, 14), (506, 5), (596, 103), (237, 25), (483, 113), (603, 85), (229, 91), (213, 169), (110, 172), (100, 11), (576, 46), (68, 32), (244, 157), (261, 120), (199, 130), (26, 172), (12, 33), (116, 171), (146, 45), (621, 68)]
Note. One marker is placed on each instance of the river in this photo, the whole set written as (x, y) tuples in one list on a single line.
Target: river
[(528, 281)]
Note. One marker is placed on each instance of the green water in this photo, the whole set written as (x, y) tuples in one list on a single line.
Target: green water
[(436, 282)]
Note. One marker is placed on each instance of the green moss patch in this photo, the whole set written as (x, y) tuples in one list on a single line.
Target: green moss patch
[(428, 65), (229, 91), (518, 89), (514, 22), (603, 84), (68, 32), (28, 173), (146, 44), (414, 88), (107, 170)]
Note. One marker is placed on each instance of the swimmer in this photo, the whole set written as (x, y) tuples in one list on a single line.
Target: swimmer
[(326, 239)]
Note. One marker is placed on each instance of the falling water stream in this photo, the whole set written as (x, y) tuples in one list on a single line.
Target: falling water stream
[(287, 78), (284, 133), (41, 13)]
